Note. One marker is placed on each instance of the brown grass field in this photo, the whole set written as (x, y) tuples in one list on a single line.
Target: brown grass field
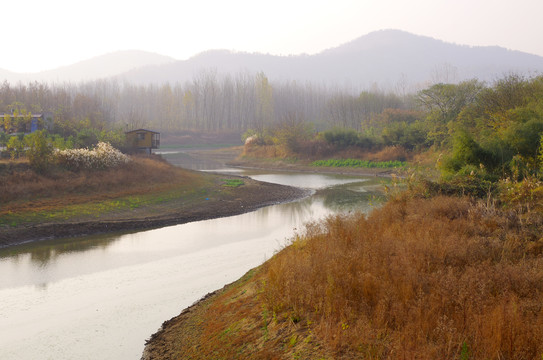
[(438, 278)]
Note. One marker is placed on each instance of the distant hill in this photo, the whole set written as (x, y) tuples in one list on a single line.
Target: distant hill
[(389, 58), (103, 66), (7, 75)]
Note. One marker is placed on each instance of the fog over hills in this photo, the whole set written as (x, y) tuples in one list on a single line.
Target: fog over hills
[(103, 66), (389, 58)]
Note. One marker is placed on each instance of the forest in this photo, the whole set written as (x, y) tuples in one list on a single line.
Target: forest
[(207, 103)]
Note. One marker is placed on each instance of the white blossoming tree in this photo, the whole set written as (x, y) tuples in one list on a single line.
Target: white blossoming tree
[(101, 157)]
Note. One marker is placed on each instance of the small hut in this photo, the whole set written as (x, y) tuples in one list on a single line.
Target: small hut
[(143, 140)]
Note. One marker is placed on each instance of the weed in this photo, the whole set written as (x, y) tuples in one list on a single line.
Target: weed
[(233, 182), (265, 323), (464, 351), (293, 340)]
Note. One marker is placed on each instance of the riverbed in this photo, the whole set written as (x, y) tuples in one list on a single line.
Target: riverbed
[(101, 297)]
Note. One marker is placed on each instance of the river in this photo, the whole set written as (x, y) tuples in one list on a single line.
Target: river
[(101, 297)]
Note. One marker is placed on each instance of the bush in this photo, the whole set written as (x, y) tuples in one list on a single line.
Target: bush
[(87, 137), (342, 138), (39, 150), (291, 133), (101, 157), (466, 151), (410, 136), (15, 146)]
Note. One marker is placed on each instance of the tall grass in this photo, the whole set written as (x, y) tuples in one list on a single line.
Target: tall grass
[(440, 278)]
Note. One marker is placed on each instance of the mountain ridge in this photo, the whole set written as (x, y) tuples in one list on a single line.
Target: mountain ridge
[(384, 57), (97, 67)]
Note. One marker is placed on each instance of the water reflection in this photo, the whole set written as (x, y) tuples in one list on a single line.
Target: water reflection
[(343, 199), (43, 262), (190, 159), (43, 252), (305, 180), (347, 196)]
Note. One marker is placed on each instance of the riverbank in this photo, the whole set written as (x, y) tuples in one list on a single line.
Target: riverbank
[(441, 277), (149, 194), (430, 276), (232, 157)]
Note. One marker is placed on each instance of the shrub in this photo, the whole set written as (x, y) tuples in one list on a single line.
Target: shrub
[(342, 138), (390, 153), (465, 152), (15, 146), (101, 157), (291, 132), (39, 150)]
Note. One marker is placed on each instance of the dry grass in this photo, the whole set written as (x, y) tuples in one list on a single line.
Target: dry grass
[(264, 151), (418, 279), (440, 278), (390, 153), (22, 189)]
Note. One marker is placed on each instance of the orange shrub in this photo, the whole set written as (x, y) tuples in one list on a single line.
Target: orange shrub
[(390, 153)]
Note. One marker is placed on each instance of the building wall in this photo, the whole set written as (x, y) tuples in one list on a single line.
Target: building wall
[(140, 139)]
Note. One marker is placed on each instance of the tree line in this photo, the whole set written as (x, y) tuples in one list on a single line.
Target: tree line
[(209, 102), (487, 128), (490, 132)]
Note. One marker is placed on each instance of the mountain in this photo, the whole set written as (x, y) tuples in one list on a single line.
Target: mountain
[(387, 57), (99, 67), (7, 75)]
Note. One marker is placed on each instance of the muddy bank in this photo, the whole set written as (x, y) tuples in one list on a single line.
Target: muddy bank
[(232, 157), (302, 168), (248, 197)]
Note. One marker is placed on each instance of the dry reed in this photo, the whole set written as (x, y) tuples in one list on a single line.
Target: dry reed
[(440, 278)]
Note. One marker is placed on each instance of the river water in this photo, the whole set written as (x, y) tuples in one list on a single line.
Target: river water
[(101, 297)]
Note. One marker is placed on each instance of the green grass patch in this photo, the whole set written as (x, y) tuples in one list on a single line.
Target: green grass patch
[(356, 163), (233, 182)]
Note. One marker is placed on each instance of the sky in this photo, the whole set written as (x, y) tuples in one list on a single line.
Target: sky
[(41, 35)]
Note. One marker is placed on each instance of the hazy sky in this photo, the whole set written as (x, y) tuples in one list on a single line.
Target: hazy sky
[(39, 35)]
